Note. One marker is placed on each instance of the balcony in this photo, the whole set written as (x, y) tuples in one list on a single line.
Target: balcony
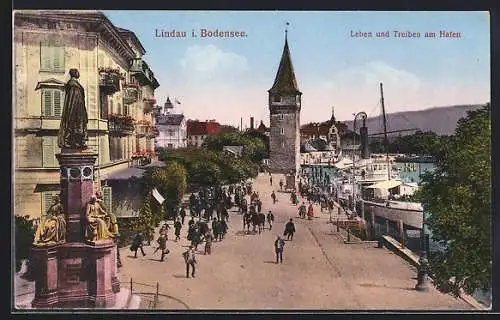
[(109, 80), (140, 70), (148, 105), (120, 125), (130, 93), (152, 132)]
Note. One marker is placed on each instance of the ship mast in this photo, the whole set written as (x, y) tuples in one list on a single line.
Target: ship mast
[(386, 141)]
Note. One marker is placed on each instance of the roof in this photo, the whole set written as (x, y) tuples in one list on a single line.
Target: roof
[(169, 104), (285, 81), (123, 174), (262, 127), (386, 184), (135, 40), (324, 128), (169, 119), (195, 127), (233, 149)]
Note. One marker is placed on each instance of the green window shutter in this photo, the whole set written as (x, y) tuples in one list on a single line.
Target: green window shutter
[(45, 56), (58, 57), (55, 150), (47, 200), (107, 198), (47, 149), (57, 103), (47, 102)]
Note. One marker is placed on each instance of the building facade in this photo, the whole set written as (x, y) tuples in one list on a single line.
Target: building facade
[(46, 45), (284, 109), (172, 128), (197, 131)]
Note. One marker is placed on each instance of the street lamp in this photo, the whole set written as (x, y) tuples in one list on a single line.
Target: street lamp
[(359, 115)]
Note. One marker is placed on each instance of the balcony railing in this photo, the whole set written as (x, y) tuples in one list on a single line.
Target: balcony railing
[(130, 93), (121, 124), (140, 70), (109, 82), (148, 105)]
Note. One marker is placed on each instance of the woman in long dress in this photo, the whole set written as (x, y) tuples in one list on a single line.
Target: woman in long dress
[(96, 225)]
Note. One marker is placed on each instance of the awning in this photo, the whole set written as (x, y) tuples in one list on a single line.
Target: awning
[(47, 187), (387, 184), (123, 174)]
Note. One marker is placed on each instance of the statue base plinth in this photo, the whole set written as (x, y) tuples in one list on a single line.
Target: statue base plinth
[(75, 275)]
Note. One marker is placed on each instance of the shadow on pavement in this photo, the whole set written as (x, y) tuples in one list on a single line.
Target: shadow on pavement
[(269, 261), (179, 276), (385, 286)]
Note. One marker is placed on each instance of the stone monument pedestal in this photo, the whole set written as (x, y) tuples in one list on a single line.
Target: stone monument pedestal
[(76, 273)]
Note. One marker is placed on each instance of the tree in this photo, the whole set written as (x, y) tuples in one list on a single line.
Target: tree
[(457, 199)]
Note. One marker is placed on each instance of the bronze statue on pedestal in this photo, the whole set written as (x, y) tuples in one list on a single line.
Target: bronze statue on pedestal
[(73, 128), (52, 227), (96, 228)]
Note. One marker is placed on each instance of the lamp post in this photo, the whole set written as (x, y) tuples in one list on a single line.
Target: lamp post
[(360, 115), (423, 266)]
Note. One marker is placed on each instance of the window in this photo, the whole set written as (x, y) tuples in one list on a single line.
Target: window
[(107, 198), (48, 200), (276, 98), (51, 57), (282, 143), (111, 106), (49, 150), (125, 109), (282, 116), (52, 102), (119, 108), (282, 131)]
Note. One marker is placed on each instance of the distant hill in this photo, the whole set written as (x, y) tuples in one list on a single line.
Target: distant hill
[(441, 120)]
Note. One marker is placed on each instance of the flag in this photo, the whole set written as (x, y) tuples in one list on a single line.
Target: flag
[(177, 101), (158, 196)]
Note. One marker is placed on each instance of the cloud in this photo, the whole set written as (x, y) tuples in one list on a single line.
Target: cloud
[(210, 62)]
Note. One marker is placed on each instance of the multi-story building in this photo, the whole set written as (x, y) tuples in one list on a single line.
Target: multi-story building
[(116, 82), (197, 131), (171, 127)]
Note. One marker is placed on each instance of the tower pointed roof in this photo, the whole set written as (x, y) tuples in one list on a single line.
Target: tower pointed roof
[(285, 81), (169, 104)]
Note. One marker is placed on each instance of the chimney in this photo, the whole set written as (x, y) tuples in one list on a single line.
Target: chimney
[(251, 123)]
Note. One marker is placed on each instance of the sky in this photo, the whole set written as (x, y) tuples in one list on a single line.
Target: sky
[(228, 78)]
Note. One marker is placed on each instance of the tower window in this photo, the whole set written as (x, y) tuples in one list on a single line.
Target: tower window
[(281, 116), (282, 131), (276, 98)]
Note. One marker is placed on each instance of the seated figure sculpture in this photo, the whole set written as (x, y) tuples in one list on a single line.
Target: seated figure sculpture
[(96, 226), (110, 218), (52, 226)]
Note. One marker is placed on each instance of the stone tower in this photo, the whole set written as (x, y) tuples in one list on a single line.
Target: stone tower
[(284, 113)]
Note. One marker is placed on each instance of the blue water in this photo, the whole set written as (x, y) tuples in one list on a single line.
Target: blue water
[(411, 172)]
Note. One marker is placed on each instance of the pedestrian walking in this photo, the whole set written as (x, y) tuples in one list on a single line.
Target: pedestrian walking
[(270, 219), (137, 244), (310, 212), (289, 230), (177, 229), (273, 196), (279, 245), (281, 184), (162, 245), (262, 221), (270, 179), (190, 260), (302, 210), (182, 213), (208, 242), (223, 229)]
